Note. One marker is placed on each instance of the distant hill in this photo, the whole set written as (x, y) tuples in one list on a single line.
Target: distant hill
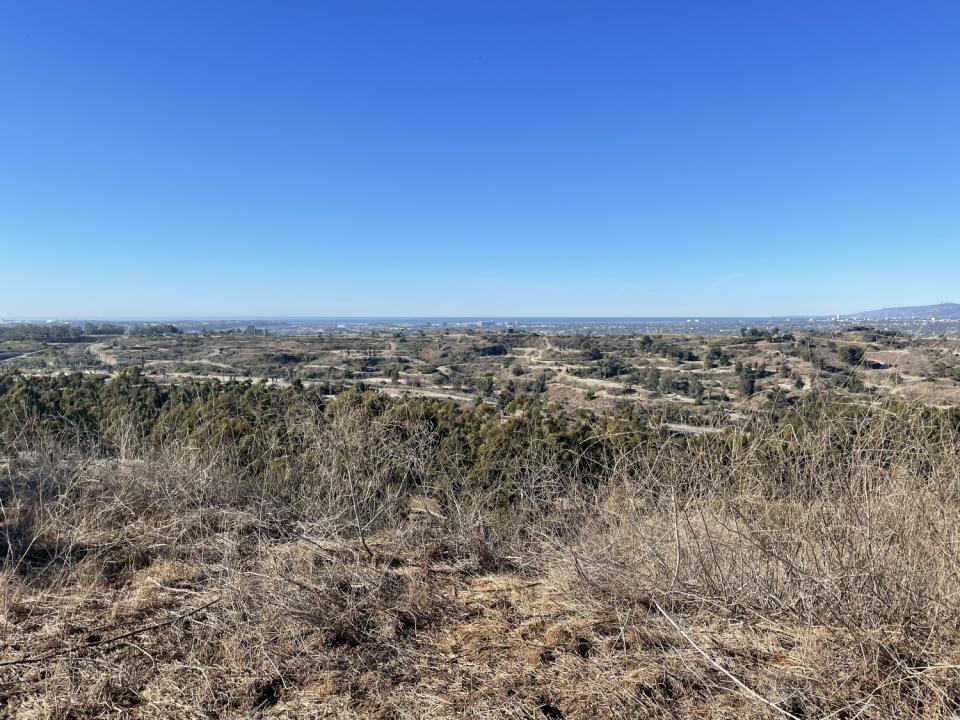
[(945, 311)]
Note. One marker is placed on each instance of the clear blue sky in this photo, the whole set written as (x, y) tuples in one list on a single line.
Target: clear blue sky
[(358, 157)]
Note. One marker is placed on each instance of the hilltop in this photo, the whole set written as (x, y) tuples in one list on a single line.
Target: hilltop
[(235, 550)]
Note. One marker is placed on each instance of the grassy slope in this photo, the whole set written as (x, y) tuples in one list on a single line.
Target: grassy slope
[(807, 572)]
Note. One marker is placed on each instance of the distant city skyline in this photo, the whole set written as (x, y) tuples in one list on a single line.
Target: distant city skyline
[(436, 159), (922, 313)]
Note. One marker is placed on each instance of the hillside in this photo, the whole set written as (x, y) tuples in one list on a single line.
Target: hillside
[(942, 311), (236, 550)]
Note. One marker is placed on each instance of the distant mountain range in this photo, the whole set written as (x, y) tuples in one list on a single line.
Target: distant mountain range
[(943, 311)]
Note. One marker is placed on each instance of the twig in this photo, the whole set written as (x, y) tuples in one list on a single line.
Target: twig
[(676, 535), (739, 683), (105, 641)]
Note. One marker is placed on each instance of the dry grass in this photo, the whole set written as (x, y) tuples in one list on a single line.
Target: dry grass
[(775, 575)]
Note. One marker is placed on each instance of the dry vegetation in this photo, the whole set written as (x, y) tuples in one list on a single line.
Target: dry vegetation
[(700, 380), (801, 569)]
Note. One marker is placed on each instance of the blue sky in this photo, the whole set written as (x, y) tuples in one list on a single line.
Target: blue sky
[(477, 158)]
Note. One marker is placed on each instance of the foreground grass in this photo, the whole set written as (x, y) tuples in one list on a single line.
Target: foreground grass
[(792, 571)]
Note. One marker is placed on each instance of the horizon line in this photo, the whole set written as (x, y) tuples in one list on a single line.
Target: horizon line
[(354, 317)]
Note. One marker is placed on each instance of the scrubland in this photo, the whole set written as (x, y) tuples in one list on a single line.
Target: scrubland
[(256, 551), (697, 379)]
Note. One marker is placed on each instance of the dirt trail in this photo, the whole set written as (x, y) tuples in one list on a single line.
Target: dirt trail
[(100, 351), (425, 392), (22, 355)]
